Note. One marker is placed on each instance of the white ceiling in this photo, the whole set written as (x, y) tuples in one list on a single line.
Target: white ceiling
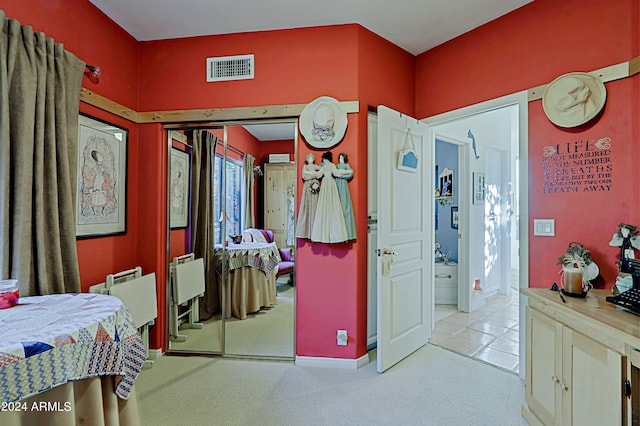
[(414, 25), (272, 131)]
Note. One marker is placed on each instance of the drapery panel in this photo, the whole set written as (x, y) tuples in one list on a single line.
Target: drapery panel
[(249, 193), (202, 216), (40, 86)]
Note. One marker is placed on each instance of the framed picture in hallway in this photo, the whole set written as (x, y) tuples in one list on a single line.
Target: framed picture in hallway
[(102, 179), (478, 188), (454, 217)]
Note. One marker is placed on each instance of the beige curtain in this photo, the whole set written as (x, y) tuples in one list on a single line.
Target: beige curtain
[(248, 204), (39, 100), (202, 216)]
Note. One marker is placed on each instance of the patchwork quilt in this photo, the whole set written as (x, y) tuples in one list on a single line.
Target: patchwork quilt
[(47, 341)]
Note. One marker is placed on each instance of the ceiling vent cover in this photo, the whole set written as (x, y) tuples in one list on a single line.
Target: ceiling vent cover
[(226, 68)]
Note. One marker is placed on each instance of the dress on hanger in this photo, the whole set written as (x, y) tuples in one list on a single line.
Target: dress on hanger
[(329, 226), (291, 209), (342, 183), (308, 200)]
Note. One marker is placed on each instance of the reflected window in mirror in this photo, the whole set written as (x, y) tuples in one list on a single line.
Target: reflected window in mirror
[(234, 198)]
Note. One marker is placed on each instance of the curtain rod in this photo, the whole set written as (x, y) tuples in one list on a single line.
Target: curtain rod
[(234, 149)]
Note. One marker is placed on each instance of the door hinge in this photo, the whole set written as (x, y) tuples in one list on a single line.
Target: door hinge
[(627, 389)]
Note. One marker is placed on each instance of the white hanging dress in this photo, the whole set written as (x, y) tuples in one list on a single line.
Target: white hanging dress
[(329, 225)]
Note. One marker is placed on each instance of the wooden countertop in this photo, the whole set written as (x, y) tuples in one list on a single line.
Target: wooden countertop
[(591, 314)]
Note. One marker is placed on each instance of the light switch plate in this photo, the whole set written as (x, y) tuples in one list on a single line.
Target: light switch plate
[(544, 227)]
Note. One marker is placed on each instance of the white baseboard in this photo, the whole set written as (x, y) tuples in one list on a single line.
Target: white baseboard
[(350, 364), (372, 342), (155, 353)]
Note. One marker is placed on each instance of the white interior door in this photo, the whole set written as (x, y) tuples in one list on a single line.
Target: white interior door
[(405, 239)]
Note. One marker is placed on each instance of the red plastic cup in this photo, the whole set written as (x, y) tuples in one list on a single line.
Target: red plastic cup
[(9, 293)]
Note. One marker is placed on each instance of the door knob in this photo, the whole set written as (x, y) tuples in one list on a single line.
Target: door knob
[(387, 260)]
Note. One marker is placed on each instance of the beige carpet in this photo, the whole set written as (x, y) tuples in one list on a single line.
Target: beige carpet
[(431, 387), (268, 333)]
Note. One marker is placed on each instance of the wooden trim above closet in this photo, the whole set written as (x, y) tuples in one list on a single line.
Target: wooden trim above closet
[(226, 114), (208, 115), (108, 105), (606, 74)]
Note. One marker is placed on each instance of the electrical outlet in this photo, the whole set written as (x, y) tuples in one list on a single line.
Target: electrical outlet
[(342, 337)]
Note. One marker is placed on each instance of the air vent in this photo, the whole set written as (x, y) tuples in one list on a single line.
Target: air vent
[(226, 68)]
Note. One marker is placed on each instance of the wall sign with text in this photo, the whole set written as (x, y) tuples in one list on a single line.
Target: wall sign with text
[(578, 166)]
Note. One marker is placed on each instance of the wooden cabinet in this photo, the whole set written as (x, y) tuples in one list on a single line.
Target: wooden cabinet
[(279, 201), (577, 367), (543, 365), (572, 379)]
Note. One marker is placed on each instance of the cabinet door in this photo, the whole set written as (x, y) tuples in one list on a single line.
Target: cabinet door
[(543, 367), (279, 186), (592, 378)]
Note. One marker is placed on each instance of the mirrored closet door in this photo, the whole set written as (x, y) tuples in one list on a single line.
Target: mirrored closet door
[(261, 278), (246, 242), (194, 315)]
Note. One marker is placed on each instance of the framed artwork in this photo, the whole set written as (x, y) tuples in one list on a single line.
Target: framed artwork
[(444, 191), (179, 190), (102, 179), (454, 217), (478, 188), (445, 183)]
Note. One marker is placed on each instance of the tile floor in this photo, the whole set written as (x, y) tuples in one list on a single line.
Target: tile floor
[(489, 334)]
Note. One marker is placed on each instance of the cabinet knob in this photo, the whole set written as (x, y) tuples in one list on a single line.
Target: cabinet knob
[(556, 380)]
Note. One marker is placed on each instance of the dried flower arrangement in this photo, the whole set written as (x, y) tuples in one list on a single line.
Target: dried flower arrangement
[(576, 256)]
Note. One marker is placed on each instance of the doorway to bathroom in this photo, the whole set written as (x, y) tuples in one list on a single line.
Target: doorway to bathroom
[(489, 121), (478, 229)]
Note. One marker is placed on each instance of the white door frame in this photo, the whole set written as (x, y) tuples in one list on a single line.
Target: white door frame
[(520, 99)]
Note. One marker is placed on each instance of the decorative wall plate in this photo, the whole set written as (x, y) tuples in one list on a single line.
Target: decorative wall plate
[(323, 122), (573, 99)]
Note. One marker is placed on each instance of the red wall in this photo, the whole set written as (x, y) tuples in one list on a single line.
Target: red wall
[(530, 47), (526, 48), (91, 36), (98, 41), (292, 66), (95, 39), (274, 147)]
